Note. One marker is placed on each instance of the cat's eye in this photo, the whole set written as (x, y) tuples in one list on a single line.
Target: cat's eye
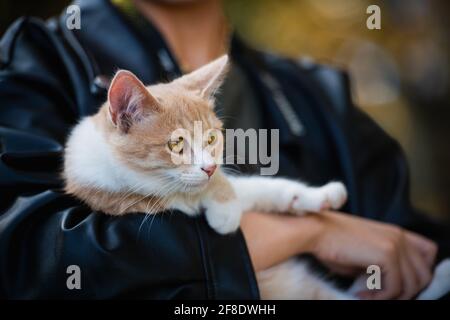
[(212, 137), (176, 146)]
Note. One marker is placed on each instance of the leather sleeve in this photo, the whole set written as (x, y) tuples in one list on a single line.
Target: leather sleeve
[(43, 92)]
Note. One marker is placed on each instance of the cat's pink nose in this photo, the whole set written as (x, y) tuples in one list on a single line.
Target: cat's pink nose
[(209, 169)]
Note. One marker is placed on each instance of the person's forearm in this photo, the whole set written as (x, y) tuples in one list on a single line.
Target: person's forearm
[(273, 238)]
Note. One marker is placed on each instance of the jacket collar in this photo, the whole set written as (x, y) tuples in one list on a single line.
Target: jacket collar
[(100, 19)]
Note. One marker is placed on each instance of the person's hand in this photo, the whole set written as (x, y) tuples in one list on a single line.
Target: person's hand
[(348, 245)]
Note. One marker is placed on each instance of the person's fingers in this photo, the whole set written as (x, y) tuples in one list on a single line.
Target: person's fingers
[(405, 258), (423, 270), (410, 279), (392, 281), (426, 247)]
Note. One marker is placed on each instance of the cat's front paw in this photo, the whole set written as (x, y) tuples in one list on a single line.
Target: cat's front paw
[(330, 196), (224, 218), (335, 195)]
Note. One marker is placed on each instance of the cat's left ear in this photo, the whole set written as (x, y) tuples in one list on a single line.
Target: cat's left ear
[(207, 79), (129, 100)]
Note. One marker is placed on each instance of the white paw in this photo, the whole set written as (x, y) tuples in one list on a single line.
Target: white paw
[(224, 218), (331, 196), (335, 195)]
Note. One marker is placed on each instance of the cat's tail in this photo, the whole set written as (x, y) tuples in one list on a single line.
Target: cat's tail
[(440, 284)]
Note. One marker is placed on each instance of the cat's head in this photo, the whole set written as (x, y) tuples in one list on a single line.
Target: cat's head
[(167, 131)]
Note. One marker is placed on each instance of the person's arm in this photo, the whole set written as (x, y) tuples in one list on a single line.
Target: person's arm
[(274, 238), (43, 92), (347, 245)]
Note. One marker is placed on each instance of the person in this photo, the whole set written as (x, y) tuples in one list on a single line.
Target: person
[(52, 75)]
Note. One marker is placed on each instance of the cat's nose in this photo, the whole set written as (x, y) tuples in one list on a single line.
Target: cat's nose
[(209, 169)]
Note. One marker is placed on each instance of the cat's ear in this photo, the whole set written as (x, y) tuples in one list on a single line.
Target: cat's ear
[(129, 100), (207, 79)]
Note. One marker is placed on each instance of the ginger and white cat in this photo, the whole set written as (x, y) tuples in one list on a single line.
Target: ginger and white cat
[(127, 158)]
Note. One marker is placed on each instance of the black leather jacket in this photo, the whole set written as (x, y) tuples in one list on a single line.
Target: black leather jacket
[(50, 77)]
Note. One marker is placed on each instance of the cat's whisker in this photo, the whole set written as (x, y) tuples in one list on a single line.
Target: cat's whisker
[(223, 118), (232, 170), (163, 202), (226, 168), (226, 165), (154, 216), (148, 212), (132, 191), (98, 190), (236, 159), (147, 215), (162, 194), (156, 194)]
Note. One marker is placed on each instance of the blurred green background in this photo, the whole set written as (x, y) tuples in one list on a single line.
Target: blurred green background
[(400, 74)]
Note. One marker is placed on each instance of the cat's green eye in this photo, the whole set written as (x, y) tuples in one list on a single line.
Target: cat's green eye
[(212, 138), (176, 146)]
